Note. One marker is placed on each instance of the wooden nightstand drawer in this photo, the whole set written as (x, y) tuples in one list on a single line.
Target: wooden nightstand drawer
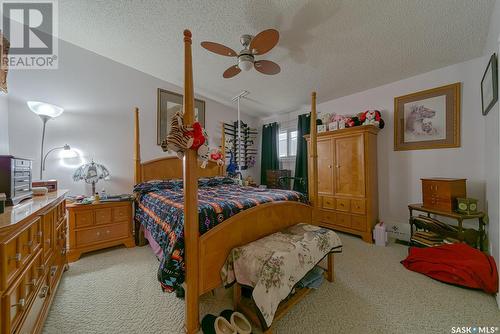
[(343, 204), (84, 218), (122, 213), (111, 226), (101, 234), (103, 216)]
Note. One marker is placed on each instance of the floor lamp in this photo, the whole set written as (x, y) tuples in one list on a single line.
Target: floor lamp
[(46, 112)]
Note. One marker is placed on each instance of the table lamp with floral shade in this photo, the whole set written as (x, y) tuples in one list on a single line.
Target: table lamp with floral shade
[(91, 173)]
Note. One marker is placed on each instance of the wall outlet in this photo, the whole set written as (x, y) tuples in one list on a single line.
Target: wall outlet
[(398, 231)]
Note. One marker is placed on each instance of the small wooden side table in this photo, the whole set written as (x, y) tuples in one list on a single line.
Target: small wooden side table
[(99, 225), (454, 215)]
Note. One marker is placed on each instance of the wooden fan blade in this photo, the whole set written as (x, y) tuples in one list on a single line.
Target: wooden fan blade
[(267, 67), (219, 49), (231, 72), (264, 41)]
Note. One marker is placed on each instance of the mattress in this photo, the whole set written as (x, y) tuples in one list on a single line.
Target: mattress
[(160, 211)]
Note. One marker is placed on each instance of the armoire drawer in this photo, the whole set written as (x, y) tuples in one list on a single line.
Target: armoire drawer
[(358, 206), (328, 203), (342, 219), (31, 319), (327, 217), (358, 223), (343, 204)]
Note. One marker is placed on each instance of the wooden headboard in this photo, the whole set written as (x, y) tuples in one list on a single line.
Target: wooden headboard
[(169, 167)]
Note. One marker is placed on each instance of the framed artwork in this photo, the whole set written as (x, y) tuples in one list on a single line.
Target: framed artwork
[(489, 85), (168, 104), (4, 53), (428, 119)]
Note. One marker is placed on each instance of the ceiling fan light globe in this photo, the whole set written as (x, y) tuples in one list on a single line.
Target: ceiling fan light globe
[(245, 65)]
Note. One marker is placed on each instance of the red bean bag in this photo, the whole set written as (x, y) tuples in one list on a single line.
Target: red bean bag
[(457, 264)]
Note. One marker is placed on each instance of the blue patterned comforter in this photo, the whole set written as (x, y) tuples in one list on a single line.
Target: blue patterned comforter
[(160, 211)]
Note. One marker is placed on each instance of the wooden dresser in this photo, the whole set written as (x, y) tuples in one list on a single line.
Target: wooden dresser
[(347, 180), (99, 225), (32, 260)]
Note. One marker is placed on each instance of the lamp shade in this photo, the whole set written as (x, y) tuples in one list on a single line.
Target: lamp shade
[(90, 173), (45, 109)]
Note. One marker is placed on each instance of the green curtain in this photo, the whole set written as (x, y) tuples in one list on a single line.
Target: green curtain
[(303, 128), (270, 160)]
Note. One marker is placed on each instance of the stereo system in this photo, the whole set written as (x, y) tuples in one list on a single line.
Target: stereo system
[(15, 179)]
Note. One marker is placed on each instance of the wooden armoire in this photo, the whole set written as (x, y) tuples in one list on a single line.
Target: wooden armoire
[(347, 180)]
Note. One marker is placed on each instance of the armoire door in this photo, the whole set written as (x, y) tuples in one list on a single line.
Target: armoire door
[(349, 166), (325, 166)]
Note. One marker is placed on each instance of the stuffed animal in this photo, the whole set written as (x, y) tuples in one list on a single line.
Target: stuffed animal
[(232, 167), (352, 121), (216, 155), (178, 139), (204, 151), (371, 117), (198, 136)]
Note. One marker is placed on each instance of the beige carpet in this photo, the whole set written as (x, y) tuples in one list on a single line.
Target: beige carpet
[(116, 291)]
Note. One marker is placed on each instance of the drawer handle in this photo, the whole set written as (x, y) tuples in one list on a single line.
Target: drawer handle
[(63, 251), (29, 244), (47, 241), (41, 268), (108, 232), (16, 257), (20, 304), (43, 292), (98, 233), (53, 271)]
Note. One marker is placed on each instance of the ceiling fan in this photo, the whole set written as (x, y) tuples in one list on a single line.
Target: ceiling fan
[(252, 46)]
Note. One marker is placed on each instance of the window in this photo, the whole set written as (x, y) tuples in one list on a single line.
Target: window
[(288, 143)]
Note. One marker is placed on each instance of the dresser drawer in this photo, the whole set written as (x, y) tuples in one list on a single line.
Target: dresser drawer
[(358, 206), (101, 234), (343, 204), (17, 298), (343, 220), (48, 233), (103, 216), (84, 218), (30, 321), (122, 213), (358, 223), (16, 254)]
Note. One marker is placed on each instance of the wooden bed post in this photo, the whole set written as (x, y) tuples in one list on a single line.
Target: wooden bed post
[(137, 148), (191, 228), (313, 155)]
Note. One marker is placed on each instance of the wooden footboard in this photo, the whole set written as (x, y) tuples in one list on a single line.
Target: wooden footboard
[(245, 227)]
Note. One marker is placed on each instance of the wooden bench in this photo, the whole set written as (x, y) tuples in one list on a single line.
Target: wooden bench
[(273, 265), (249, 309)]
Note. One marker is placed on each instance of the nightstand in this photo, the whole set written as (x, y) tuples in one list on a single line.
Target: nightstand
[(97, 226)]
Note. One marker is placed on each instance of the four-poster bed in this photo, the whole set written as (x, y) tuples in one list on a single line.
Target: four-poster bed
[(205, 254)]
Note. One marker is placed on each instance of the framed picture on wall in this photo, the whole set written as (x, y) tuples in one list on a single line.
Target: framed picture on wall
[(489, 85), (428, 119), (168, 104)]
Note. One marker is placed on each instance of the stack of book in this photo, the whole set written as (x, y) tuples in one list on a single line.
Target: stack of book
[(427, 239)]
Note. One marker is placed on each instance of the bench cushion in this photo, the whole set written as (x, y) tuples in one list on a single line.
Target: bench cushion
[(274, 264)]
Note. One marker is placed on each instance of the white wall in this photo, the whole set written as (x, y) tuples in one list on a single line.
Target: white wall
[(4, 122), (400, 172), (492, 144), (98, 96)]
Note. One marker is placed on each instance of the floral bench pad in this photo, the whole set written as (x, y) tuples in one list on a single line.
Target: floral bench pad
[(274, 264)]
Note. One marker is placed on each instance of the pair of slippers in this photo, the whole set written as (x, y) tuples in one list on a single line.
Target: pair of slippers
[(229, 322)]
